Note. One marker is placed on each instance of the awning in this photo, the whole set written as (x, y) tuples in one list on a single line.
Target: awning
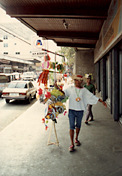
[(73, 23), (13, 59)]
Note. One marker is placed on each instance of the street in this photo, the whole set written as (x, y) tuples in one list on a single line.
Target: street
[(9, 112)]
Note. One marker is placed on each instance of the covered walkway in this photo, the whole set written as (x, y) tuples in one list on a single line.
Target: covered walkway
[(93, 28), (24, 150)]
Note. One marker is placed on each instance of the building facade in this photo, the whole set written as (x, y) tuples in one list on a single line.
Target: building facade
[(107, 59), (15, 50)]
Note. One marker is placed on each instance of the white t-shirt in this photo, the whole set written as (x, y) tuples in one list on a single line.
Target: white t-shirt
[(86, 97)]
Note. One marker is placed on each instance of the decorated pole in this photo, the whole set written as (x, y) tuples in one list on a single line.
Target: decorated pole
[(55, 69), (55, 96), (50, 132), (53, 122)]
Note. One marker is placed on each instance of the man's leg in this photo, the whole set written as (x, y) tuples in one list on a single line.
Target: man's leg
[(77, 133), (72, 127), (87, 113), (78, 126), (72, 136), (90, 112)]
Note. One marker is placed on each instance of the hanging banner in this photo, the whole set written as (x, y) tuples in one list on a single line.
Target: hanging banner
[(111, 30)]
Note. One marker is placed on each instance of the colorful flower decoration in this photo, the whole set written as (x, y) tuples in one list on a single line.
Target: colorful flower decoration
[(48, 95), (40, 91), (54, 107), (45, 65)]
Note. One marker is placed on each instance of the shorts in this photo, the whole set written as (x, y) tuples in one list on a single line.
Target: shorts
[(75, 118)]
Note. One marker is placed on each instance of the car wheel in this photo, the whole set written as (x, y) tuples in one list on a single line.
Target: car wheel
[(29, 99), (34, 96), (7, 101)]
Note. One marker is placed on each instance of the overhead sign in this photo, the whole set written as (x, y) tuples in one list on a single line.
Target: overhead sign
[(36, 43), (111, 30), (38, 53)]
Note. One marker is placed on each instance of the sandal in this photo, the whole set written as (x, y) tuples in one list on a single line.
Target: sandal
[(91, 120), (86, 122), (71, 148), (77, 143)]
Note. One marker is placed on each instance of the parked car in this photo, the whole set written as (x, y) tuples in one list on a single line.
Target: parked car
[(19, 90), (5, 79), (30, 75), (28, 79), (17, 75)]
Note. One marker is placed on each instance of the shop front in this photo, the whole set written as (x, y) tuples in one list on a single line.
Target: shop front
[(108, 60)]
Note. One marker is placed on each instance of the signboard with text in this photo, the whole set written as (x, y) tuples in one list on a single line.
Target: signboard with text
[(111, 30)]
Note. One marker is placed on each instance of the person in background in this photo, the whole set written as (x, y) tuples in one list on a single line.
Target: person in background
[(91, 88), (79, 97)]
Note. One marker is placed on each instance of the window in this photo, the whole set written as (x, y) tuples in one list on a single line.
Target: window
[(30, 85), (17, 53), (5, 44), (25, 86), (5, 53), (17, 85), (5, 37)]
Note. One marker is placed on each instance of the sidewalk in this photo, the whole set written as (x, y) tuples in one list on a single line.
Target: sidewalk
[(24, 150)]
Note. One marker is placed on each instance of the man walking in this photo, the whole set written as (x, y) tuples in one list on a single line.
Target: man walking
[(79, 97)]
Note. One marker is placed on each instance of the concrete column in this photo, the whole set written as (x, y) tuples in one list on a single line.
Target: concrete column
[(103, 79), (84, 62)]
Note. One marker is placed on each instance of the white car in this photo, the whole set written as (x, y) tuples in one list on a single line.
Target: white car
[(19, 90), (29, 75), (28, 79), (5, 79)]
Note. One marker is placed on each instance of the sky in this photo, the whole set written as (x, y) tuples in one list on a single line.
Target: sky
[(4, 18)]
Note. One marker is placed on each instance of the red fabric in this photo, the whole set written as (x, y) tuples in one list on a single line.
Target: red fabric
[(65, 75), (47, 57), (61, 87), (79, 76), (43, 120), (40, 91), (48, 95), (46, 127)]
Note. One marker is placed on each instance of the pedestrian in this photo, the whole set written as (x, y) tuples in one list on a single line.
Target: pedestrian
[(79, 97), (91, 88)]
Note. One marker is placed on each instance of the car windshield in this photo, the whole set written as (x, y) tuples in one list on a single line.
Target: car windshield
[(18, 85)]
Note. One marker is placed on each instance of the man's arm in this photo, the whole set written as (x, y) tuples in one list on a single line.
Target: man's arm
[(102, 102), (57, 87)]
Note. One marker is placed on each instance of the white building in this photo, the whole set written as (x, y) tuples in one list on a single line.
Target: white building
[(17, 43), (14, 45)]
